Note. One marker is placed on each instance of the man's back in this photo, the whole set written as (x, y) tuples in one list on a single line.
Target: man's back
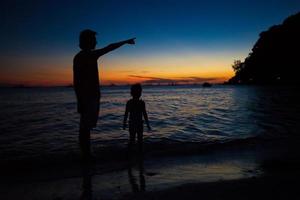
[(86, 78)]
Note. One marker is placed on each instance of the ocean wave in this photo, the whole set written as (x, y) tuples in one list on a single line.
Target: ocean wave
[(43, 122)]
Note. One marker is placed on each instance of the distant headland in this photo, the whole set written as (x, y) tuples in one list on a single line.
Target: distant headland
[(275, 57)]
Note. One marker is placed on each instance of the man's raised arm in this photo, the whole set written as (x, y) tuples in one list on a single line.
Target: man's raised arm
[(113, 46)]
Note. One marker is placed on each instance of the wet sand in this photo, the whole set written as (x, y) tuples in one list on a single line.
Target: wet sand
[(265, 187), (256, 170)]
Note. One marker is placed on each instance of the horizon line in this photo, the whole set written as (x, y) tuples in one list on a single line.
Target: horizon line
[(106, 85)]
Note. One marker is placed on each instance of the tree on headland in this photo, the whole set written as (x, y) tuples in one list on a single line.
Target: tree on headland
[(274, 58)]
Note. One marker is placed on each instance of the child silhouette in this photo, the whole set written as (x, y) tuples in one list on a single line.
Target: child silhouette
[(136, 109)]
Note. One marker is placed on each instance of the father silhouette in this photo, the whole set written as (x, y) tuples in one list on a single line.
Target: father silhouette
[(86, 84)]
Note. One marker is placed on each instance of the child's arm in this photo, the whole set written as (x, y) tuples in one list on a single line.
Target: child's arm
[(111, 47), (146, 116), (125, 116)]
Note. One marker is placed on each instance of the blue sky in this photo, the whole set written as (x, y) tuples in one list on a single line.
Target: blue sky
[(36, 32)]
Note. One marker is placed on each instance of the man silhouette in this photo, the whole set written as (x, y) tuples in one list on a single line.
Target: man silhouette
[(86, 84)]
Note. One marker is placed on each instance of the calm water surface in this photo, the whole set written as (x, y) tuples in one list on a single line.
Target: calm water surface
[(40, 121)]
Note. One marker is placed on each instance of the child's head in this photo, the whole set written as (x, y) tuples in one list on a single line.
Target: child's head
[(136, 90)]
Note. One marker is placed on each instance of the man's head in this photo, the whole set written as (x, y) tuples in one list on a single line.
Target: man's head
[(87, 39), (136, 90)]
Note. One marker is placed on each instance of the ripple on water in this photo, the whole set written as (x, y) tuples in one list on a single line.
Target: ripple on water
[(44, 119)]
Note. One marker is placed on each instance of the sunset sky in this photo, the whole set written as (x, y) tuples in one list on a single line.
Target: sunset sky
[(182, 40)]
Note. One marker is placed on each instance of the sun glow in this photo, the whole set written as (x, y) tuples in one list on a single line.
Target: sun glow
[(156, 68)]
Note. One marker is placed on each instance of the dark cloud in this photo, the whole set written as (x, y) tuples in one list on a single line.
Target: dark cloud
[(158, 80)]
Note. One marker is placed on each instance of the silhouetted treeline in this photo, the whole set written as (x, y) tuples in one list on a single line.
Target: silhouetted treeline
[(275, 58)]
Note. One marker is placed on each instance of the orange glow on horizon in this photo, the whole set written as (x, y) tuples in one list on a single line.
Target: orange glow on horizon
[(63, 78), (123, 70)]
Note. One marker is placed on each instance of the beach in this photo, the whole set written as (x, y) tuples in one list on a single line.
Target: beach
[(263, 170)]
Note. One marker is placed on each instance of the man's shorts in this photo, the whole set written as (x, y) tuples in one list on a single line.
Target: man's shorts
[(89, 114)]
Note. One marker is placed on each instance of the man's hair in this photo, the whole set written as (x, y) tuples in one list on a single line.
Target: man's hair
[(136, 90), (86, 38)]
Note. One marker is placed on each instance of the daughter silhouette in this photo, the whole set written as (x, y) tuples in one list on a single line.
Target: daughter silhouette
[(136, 109)]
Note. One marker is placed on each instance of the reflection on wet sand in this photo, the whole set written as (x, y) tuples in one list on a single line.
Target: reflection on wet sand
[(86, 187), (141, 187)]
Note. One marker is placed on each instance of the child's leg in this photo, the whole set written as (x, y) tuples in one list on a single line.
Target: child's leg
[(140, 138), (132, 133)]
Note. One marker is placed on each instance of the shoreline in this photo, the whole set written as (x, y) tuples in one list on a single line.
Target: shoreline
[(117, 157), (209, 174)]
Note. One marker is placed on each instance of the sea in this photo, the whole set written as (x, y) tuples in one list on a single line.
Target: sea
[(42, 123)]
